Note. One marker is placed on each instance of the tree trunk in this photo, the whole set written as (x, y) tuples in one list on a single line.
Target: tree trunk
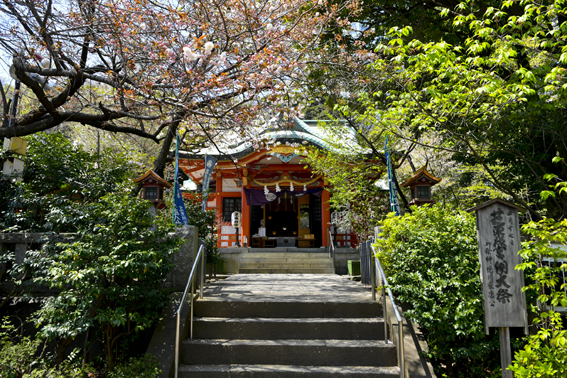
[(110, 361), (165, 147), (60, 349)]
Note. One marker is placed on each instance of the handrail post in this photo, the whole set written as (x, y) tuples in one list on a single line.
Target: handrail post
[(202, 284), (177, 345), (191, 323), (384, 305), (373, 270), (329, 241), (400, 319), (191, 282), (402, 353)]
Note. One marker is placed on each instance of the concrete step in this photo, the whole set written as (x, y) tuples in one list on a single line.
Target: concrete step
[(287, 249), (286, 263), (286, 371), (305, 263), (289, 328), (283, 270), (283, 260), (295, 255), (272, 265), (282, 308), (289, 352)]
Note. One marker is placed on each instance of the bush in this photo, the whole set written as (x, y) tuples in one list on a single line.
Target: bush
[(110, 279), (17, 354), (57, 175), (206, 222), (24, 357), (545, 353), (431, 259), (142, 367)]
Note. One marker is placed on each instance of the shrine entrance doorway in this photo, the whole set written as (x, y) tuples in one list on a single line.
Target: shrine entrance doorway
[(281, 217), (289, 217)]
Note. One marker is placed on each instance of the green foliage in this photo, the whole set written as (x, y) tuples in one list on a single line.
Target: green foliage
[(351, 175), (110, 278), (17, 354), (545, 353), (496, 98), (23, 357), (431, 259), (206, 222), (142, 367), (58, 174), (490, 90), (557, 185)]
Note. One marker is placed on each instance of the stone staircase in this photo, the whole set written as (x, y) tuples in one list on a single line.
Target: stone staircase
[(287, 326), (270, 261)]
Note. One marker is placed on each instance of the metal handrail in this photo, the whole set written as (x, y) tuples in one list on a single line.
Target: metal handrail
[(199, 257), (382, 277), (332, 250), (331, 245)]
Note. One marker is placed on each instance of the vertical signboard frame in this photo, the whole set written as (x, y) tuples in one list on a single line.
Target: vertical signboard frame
[(498, 233)]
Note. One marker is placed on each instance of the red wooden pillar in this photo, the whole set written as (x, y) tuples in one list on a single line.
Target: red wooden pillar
[(245, 228), (326, 216), (219, 206)]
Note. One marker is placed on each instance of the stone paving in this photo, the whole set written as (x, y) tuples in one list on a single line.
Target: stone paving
[(292, 287)]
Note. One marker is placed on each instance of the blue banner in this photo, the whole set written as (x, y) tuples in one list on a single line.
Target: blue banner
[(207, 174), (179, 211), (394, 203)]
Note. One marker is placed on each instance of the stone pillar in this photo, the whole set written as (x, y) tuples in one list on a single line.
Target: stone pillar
[(3, 266), (20, 254), (184, 258), (377, 232)]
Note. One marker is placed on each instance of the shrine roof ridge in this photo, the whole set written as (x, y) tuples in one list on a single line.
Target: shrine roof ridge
[(420, 173), (155, 176), (302, 132)]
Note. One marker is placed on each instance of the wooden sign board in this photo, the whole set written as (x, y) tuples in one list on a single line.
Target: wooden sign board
[(498, 233)]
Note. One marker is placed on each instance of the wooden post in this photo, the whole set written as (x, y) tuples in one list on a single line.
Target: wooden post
[(498, 234), (245, 223), (505, 352), (326, 216), (219, 205)]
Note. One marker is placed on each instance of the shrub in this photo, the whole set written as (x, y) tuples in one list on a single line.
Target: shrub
[(22, 356), (142, 367), (545, 353), (17, 354), (206, 222), (110, 278), (431, 259), (58, 174)]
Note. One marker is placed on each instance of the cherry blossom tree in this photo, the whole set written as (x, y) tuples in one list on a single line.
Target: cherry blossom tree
[(154, 68)]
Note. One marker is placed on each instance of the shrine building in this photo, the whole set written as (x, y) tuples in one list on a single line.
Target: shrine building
[(283, 203)]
